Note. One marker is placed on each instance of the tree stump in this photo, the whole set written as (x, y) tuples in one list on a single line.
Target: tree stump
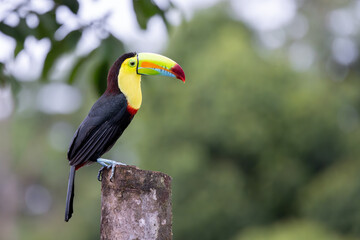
[(136, 204)]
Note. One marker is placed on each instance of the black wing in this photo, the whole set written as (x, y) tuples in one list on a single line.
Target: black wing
[(99, 131)]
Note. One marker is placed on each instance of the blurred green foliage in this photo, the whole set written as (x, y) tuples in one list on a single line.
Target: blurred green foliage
[(145, 10), (256, 150), (294, 230), (249, 141)]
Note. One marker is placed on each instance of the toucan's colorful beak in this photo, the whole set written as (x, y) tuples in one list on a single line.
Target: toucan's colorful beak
[(155, 64)]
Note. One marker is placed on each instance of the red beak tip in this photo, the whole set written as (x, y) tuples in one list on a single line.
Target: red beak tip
[(179, 73), (182, 79)]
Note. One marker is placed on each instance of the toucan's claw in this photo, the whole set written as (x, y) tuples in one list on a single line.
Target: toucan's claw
[(106, 163), (112, 172), (99, 176)]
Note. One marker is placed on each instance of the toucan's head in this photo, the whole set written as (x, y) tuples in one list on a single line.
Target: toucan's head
[(125, 74)]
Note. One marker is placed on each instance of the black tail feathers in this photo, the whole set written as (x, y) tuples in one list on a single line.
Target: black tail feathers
[(70, 194)]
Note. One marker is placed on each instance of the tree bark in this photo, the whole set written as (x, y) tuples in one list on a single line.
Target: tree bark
[(136, 204)]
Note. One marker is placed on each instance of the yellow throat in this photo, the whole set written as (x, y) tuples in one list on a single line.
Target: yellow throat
[(129, 83)]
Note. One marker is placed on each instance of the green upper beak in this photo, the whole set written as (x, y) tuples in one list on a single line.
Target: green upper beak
[(155, 64)]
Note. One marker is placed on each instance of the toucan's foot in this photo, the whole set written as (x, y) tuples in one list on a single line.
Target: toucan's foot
[(106, 163)]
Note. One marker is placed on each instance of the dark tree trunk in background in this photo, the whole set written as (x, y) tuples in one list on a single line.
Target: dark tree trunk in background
[(135, 205)]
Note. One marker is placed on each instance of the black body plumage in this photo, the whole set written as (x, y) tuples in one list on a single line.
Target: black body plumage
[(105, 123)]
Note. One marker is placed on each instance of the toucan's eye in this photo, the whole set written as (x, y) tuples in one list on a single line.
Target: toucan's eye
[(132, 63)]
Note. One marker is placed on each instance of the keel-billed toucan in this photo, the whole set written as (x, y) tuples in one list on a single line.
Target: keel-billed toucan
[(113, 111)]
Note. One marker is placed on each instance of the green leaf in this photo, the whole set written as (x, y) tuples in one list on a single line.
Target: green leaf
[(111, 43), (18, 48), (19, 33), (99, 76), (144, 10), (10, 31), (2, 76), (73, 5), (47, 25)]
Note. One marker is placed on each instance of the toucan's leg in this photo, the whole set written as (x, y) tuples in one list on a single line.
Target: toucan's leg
[(108, 163)]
